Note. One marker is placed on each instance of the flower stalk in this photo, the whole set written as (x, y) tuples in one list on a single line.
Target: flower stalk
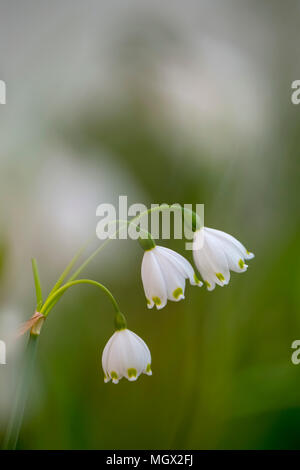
[(34, 324), (15, 422)]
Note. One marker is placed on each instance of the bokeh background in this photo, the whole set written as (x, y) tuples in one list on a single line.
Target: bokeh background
[(186, 102)]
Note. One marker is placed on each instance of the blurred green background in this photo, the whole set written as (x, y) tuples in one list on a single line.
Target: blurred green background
[(186, 102)]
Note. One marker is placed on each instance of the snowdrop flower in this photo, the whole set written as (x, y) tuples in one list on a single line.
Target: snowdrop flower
[(163, 274), (125, 355), (216, 253)]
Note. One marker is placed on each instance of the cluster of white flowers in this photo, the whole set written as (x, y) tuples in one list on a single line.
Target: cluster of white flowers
[(215, 254), (164, 273)]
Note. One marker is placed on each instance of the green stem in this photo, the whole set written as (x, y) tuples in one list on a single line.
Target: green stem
[(15, 422), (50, 302), (38, 289), (92, 256), (16, 418), (100, 248), (195, 223), (68, 268)]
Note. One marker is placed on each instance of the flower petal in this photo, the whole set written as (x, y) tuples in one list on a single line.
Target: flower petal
[(215, 253), (105, 358), (233, 241), (204, 267), (210, 260), (153, 280), (174, 279), (182, 265)]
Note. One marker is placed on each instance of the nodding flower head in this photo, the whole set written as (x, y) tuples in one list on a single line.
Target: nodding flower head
[(163, 274), (216, 253), (125, 355)]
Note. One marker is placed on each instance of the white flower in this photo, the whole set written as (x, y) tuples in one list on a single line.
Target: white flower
[(125, 355), (216, 253), (163, 274)]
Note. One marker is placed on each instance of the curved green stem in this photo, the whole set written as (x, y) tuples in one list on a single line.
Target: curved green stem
[(150, 211), (195, 224), (100, 248), (57, 294), (92, 256), (13, 430), (69, 267)]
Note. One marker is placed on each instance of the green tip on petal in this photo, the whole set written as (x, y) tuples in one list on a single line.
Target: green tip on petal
[(196, 279), (114, 375), (148, 301), (208, 285), (220, 277), (241, 263), (177, 292), (148, 370), (156, 300), (132, 373)]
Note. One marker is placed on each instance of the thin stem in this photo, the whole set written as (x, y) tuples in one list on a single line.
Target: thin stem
[(149, 211), (52, 303), (38, 289), (14, 426), (15, 422), (68, 268), (57, 294), (100, 248)]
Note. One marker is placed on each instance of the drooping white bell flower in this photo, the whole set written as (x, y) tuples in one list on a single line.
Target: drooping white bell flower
[(125, 355), (163, 274), (216, 253)]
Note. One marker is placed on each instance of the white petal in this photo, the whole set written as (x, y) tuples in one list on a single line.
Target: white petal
[(223, 235), (153, 280), (105, 358), (144, 346), (180, 263), (173, 276), (204, 268), (132, 357), (142, 350), (217, 259), (210, 260), (115, 359), (234, 257)]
